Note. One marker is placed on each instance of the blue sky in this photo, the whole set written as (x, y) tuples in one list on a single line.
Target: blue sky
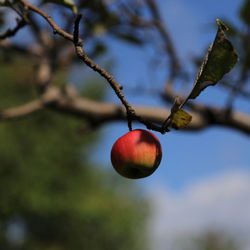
[(203, 181), (188, 157)]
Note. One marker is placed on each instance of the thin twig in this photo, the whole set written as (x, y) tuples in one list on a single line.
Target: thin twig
[(131, 114), (48, 18), (76, 30), (169, 46)]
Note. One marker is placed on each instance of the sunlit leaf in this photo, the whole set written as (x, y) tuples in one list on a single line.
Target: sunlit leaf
[(220, 59), (178, 118), (181, 119)]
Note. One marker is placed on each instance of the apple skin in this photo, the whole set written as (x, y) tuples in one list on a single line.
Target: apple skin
[(137, 154)]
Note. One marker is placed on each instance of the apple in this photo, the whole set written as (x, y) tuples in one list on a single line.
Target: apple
[(137, 154)]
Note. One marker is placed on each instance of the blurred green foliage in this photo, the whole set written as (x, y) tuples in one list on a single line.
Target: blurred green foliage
[(51, 196)]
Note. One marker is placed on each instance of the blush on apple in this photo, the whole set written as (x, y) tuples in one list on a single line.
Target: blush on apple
[(137, 154)]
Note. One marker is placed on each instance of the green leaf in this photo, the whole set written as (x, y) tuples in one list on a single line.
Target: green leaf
[(178, 117), (181, 119), (66, 3), (220, 59)]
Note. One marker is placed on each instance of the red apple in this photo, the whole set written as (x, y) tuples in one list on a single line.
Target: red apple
[(137, 154)]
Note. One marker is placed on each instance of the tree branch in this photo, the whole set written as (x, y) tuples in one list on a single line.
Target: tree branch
[(213, 115), (48, 18), (49, 97), (131, 114), (175, 66), (152, 118), (102, 112)]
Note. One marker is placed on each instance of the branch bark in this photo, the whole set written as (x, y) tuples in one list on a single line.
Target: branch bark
[(99, 112), (131, 114), (103, 112)]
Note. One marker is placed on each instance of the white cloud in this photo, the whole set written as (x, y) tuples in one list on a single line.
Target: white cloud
[(221, 203)]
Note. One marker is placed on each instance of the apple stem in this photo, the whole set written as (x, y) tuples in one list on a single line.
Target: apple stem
[(129, 118)]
